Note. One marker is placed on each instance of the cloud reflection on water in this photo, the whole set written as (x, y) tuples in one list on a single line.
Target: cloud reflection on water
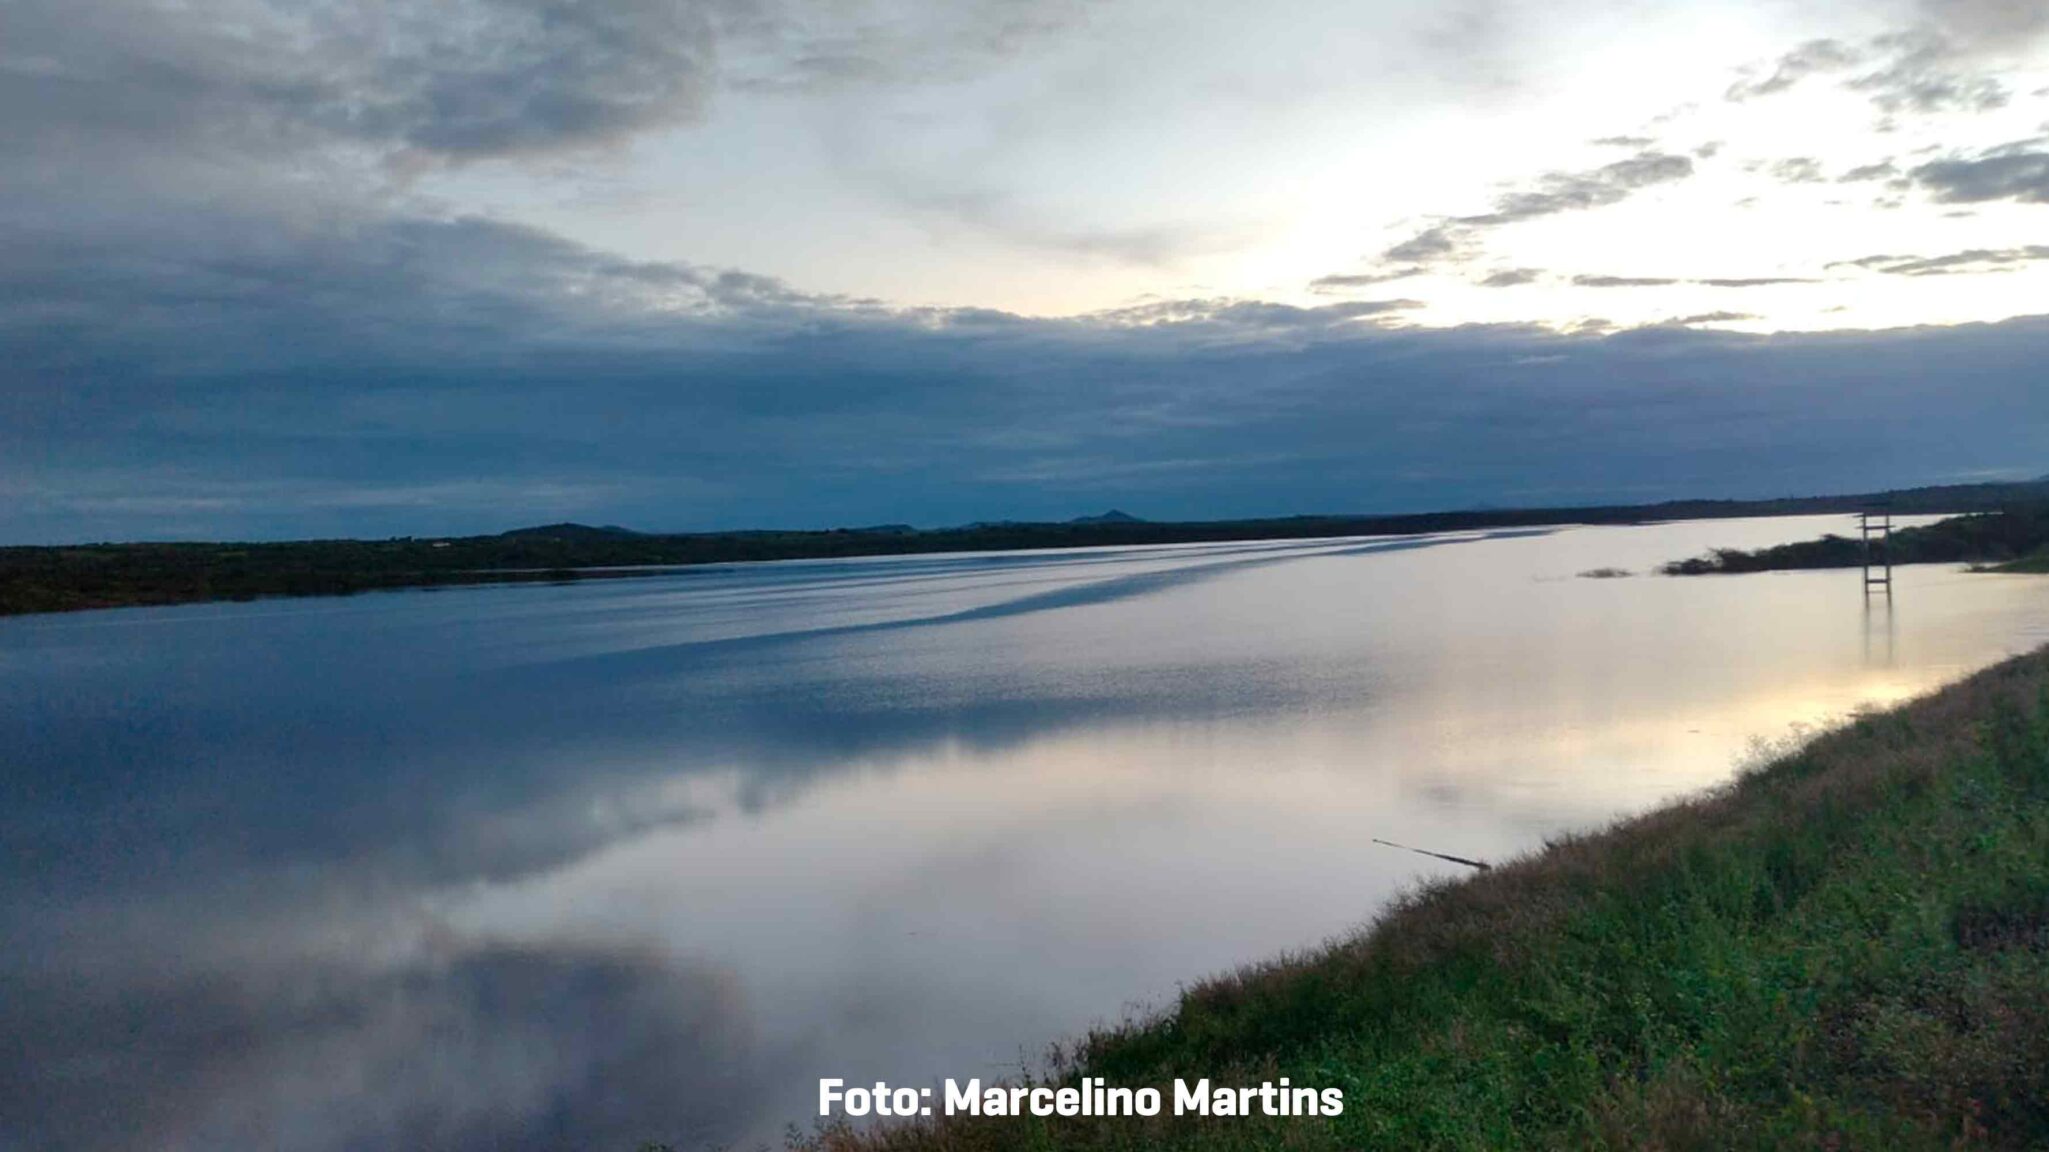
[(470, 1045), (638, 860)]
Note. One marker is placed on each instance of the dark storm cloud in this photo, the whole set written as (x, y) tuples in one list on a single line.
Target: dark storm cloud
[(373, 375), (449, 81), (105, 93), (457, 81), (1955, 263), (2015, 172)]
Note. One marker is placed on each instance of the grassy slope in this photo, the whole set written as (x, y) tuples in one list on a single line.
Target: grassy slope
[(1847, 948)]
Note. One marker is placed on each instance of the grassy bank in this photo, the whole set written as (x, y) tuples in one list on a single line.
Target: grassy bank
[(2015, 539), (1845, 948)]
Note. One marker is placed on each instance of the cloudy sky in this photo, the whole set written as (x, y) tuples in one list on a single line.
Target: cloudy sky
[(279, 269)]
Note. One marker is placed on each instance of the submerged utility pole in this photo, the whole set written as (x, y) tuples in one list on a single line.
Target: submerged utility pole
[(1876, 528)]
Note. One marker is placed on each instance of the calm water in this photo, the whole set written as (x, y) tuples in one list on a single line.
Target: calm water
[(582, 866)]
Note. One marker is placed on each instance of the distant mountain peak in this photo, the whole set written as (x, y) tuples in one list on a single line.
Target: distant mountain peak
[(569, 531), (1113, 516)]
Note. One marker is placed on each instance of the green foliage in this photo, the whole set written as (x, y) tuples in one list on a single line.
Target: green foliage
[(2017, 537)]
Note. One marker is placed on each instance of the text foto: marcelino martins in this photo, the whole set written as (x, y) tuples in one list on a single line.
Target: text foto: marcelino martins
[(1092, 1097)]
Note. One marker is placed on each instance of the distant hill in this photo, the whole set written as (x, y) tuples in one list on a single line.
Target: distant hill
[(569, 531), (55, 579)]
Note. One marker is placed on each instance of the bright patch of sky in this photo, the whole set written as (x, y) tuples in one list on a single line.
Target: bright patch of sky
[(1126, 152)]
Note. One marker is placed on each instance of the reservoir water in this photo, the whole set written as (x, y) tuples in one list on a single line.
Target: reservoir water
[(590, 865)]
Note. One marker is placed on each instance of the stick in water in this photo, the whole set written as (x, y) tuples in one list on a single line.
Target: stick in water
[(1480, 864)]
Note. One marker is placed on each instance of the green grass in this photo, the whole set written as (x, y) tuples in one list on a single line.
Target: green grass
[(1845, 948)]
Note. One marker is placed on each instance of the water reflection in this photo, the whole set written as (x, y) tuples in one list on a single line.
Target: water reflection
[(463, 1045), (596, 864), (1881, 630)]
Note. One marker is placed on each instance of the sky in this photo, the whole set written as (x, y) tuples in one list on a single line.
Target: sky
[(273, 270)]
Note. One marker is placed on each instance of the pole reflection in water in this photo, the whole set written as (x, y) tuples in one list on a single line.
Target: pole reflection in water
[(1880, 628)]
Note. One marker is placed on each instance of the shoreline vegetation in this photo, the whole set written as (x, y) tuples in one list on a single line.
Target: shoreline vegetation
[(86, 576), (1845, 947), (2010, 540)]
